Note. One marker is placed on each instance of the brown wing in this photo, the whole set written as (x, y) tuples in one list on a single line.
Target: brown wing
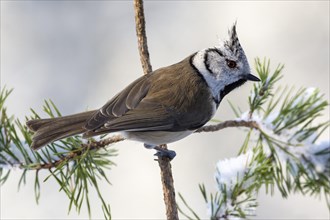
[(131, 110), (146, 106), (124, 101), (147, 116)]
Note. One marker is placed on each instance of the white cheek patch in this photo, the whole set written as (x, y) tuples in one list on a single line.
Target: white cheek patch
[(212, 78), (198, 62), (215, 65)]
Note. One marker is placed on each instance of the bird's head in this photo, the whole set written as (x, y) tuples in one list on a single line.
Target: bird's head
[(224, 67)]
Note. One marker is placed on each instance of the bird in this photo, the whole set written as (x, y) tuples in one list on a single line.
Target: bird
[(163, 106)]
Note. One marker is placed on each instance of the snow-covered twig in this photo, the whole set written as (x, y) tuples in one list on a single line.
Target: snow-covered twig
[(281, 149)]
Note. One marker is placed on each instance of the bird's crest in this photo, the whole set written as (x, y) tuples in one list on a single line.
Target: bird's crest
[(233, 42)]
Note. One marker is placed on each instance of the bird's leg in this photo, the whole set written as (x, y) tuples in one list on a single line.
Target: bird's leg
[(161, 152), (149, 146)]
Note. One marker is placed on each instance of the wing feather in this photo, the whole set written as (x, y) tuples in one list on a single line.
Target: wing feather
[(146, 106), (124, 101), (150, 116)]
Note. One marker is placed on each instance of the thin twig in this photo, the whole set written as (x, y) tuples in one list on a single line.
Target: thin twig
[(95, 145), (164, 163), (168, 188), (141, 36), (228, 124)]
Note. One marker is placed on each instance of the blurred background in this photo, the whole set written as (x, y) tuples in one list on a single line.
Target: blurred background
[(81, 53)]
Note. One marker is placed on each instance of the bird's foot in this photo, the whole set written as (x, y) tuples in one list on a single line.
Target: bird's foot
[(149, 146), (164, 153), (161, 152)]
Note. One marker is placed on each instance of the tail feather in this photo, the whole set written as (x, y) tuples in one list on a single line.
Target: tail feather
[(52, 129), (35, 124)]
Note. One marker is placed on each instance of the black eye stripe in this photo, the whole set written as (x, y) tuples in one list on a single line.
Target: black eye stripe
[(206, 62), (219, 52), (216, 50), (206, 57)]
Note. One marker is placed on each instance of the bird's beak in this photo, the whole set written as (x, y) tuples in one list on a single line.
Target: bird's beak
[(252, 78)]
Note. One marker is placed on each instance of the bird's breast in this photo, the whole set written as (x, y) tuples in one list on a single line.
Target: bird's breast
[(156, 137)]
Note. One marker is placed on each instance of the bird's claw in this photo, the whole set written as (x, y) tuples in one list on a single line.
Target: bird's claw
[(165, 153), (161, 152), (149, 146)]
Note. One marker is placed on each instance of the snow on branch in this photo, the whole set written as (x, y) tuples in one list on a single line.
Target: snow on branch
[(281, 149)]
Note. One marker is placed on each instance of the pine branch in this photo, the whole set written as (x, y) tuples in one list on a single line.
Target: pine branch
[(228, 124), (75, 165), (164, 163), (284, 152), (168, 188), (141, 36), (91, 146)]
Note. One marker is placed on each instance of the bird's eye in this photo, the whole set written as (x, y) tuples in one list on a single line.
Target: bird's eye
[(231, 64)]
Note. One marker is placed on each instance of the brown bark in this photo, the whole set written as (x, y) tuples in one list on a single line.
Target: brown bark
[(164, 163), (141, 36), (117, 138), (228, 124)]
